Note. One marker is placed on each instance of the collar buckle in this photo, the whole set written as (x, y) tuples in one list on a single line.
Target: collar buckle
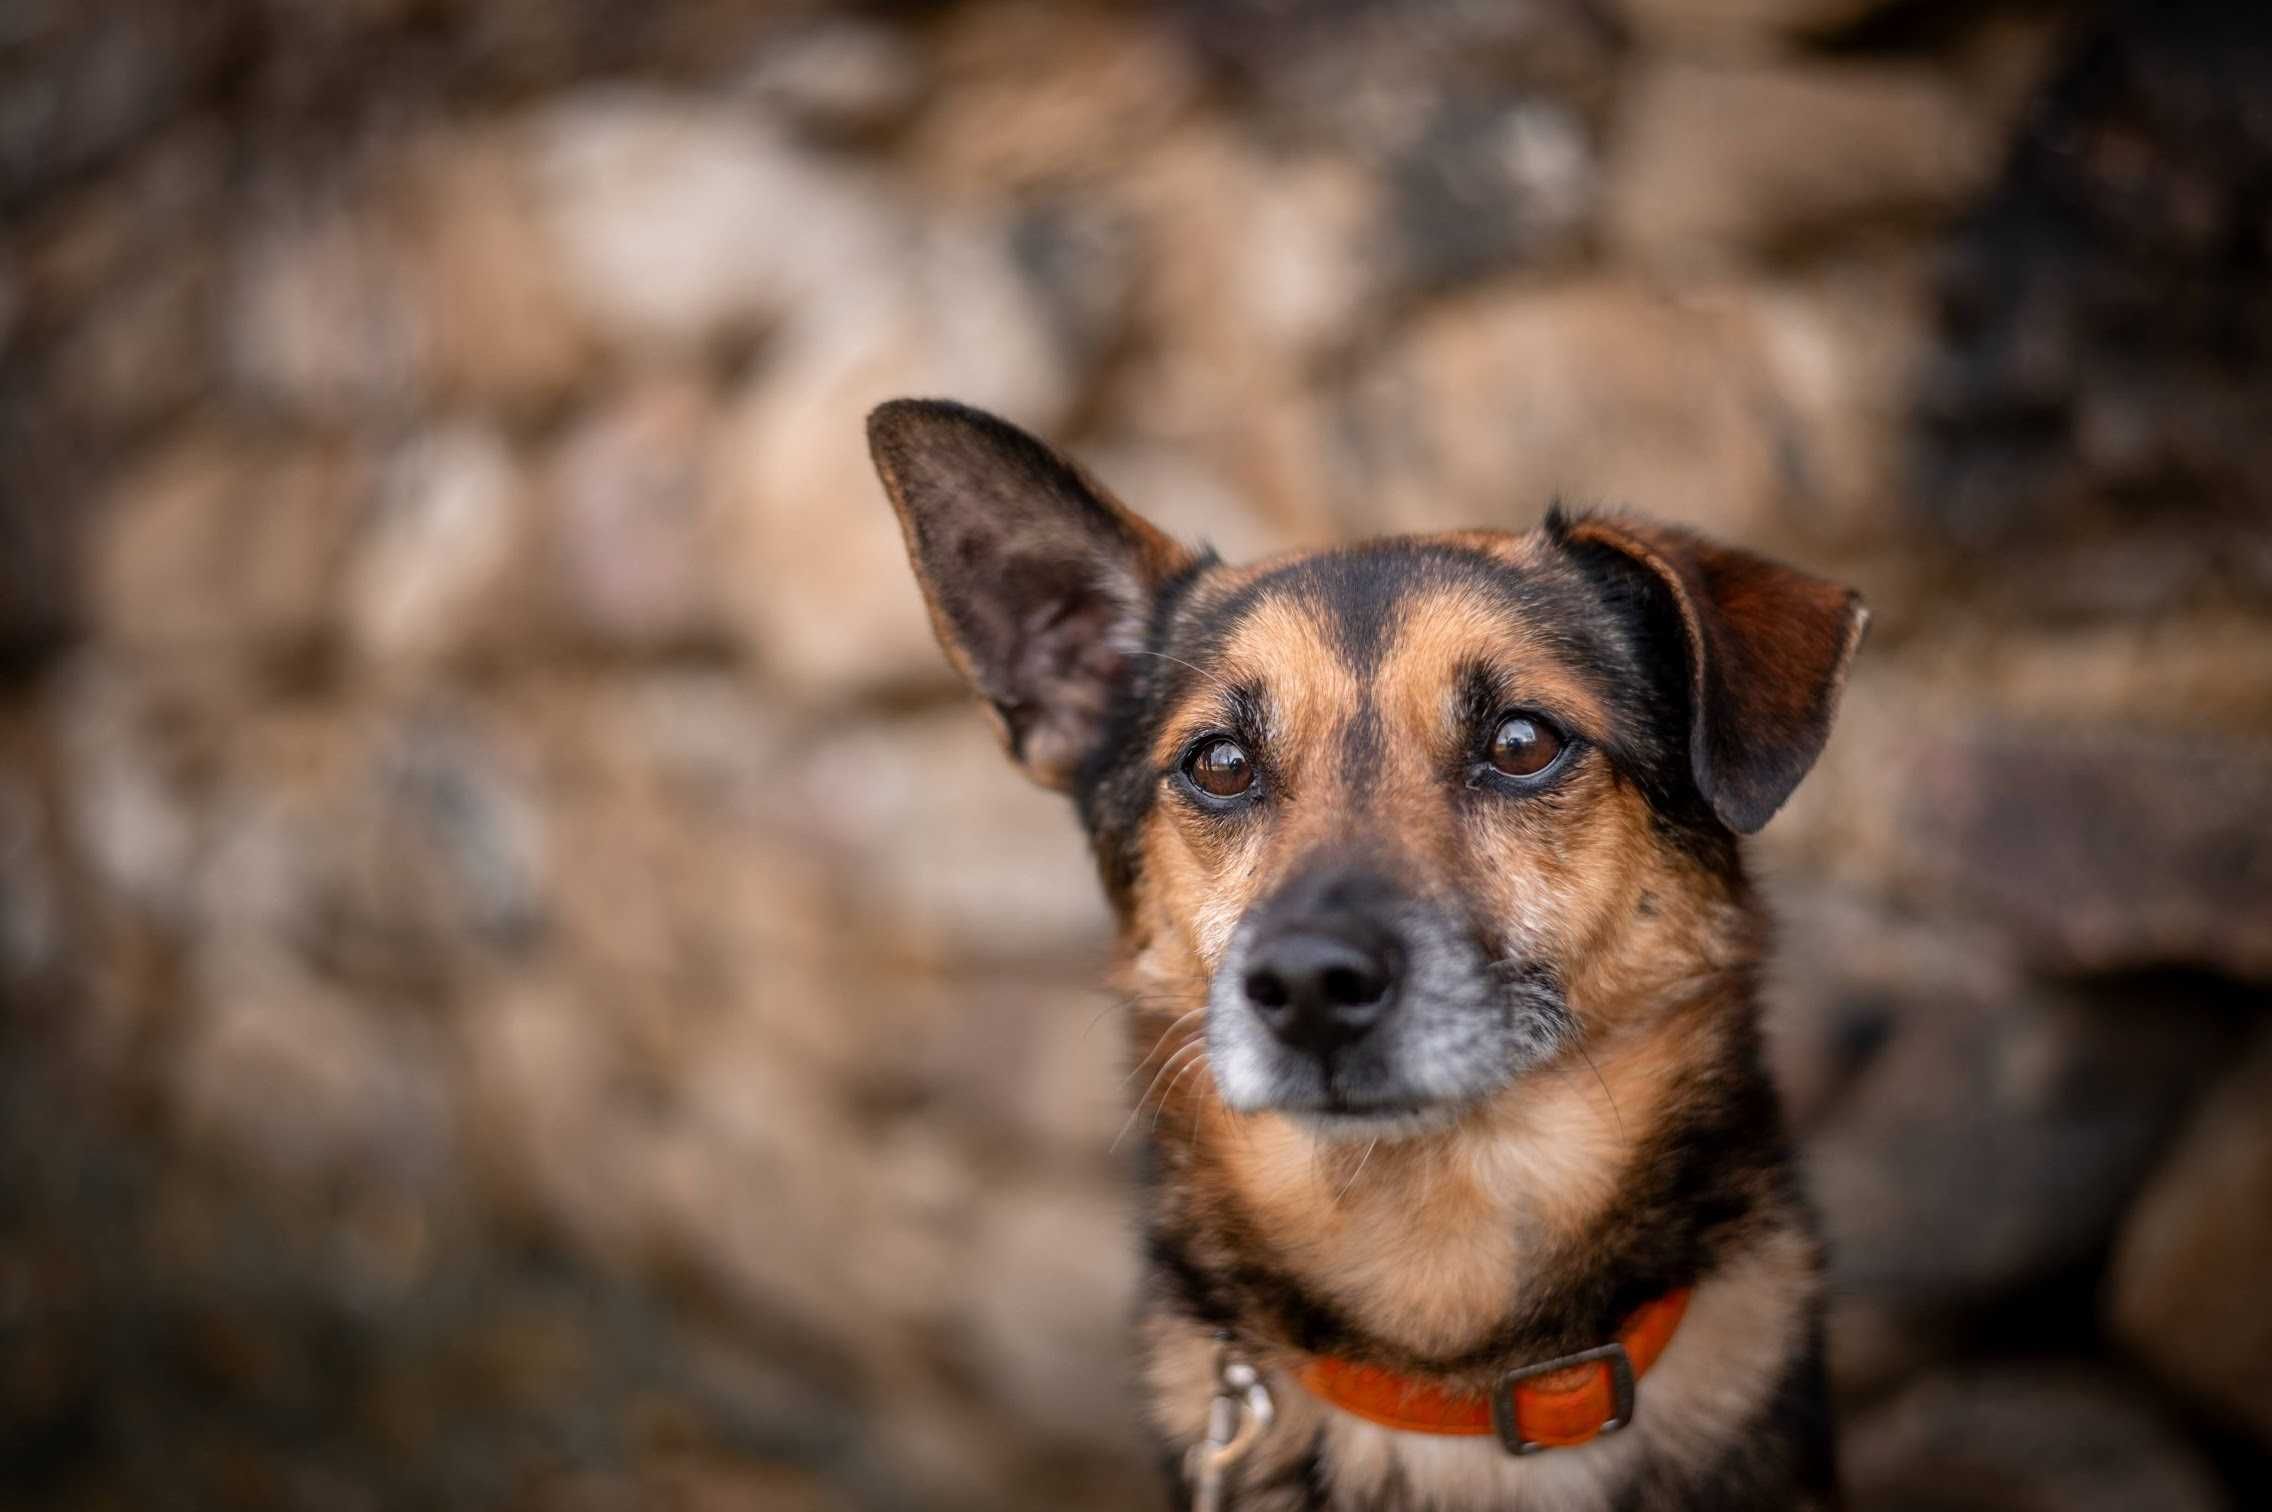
[(1505, 1398)]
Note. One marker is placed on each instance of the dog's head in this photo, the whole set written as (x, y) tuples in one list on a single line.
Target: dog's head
[(1398, 816)]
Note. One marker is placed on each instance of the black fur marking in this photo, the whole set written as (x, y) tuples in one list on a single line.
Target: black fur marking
[(1649, 672), (1364, 747), (1115, 787)]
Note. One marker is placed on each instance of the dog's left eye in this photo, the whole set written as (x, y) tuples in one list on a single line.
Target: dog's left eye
[(1220, 768), (1524, 745)]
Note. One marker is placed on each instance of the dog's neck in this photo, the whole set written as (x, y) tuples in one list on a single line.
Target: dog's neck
[(1530, 1229)]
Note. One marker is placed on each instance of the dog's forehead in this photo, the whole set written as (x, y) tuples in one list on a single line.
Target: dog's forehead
[(1354, 597), (1399, 619)]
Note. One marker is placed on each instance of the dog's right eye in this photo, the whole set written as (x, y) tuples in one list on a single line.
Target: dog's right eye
[(1220, 768), (1525, 745)]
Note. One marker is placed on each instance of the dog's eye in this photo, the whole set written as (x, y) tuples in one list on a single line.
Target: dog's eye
[(1221, 768), (1524, 745)]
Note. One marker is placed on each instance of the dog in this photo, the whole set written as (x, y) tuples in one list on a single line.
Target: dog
[(1465, 1184)]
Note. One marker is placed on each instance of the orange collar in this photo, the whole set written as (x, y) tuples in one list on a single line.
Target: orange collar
[(1551, 1405)]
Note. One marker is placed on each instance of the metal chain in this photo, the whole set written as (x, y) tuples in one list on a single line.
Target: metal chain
[(1236, 1419)]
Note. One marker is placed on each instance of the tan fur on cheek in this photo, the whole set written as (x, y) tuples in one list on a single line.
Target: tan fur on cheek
[(1582, 882), (1552, 869), (1656, 926), (1223, 896)]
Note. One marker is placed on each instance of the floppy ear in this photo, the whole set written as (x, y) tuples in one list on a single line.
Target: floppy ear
[(1766, 651), (1040, 584)]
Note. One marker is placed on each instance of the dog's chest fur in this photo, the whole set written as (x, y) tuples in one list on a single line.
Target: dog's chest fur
[(1431, 1248)]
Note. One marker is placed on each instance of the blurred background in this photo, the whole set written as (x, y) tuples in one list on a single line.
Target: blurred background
[(522, 984)]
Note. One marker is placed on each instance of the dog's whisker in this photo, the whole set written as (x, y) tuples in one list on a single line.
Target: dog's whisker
[(1146, 1059), (1169, 1095), (1097, 1018), (1192, 1049), (1615, 1111), (1183, 1054), (1202, 671), (1353, 1175)]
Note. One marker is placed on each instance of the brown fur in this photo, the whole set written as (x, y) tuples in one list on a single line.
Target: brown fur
[(1695, 684)]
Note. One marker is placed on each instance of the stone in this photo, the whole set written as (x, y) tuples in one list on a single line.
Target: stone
[(634, 519), (678, 222), (388, 849), (2185, 1294), (502, 332), (342, 1097), (2016, 1439), (1594, 392), (1033, 97), (1739, 26), (1491, 184), (432, 845), (1080, 260), (128, 817), (32, 920), (322, 314), (42, 557), (1185, 497), (143, 352), (1842, 347), (1056, 1277), (1711, 166), (819, 586), (858, 1259), (840, 77), (1261, 269), (2048, 830), (121, 228), (1979, 765), (222, 543), (1847, 967), (2103, 324), (1372, 78), (80, 86), (2053, 1105), (999, 875), (433, 577)]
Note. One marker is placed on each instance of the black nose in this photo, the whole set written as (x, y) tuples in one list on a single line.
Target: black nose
[(1321, 989)]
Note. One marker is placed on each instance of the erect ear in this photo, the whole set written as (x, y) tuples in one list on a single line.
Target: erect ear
[(1040, 584), (1766, 650)]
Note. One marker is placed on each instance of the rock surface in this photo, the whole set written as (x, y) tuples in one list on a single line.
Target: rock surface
[(2038, 1440), (524, 983), (2194, 1243), (1722, 163)]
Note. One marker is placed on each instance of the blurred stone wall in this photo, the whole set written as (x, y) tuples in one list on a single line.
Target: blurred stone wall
[(525, 985)]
